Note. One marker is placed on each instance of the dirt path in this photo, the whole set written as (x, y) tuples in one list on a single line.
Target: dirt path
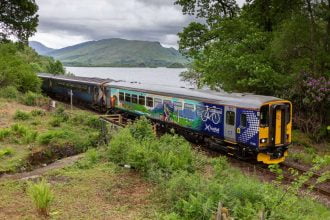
[(39, 171)]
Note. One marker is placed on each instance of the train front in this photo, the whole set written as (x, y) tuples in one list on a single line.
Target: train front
[(274, 131)]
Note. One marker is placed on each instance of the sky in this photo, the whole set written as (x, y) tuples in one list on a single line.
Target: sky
[(67, 22)]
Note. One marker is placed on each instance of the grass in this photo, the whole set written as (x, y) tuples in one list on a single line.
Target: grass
[(41, 196), (305, 150), (30, 131)]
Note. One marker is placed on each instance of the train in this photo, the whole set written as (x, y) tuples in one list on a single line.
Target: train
[(244, 125)]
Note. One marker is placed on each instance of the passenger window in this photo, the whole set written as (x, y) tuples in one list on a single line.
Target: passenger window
[(158, 102), (121, 96), (264, 115), (150, 102), (134, 99), (127, 97), (243, 120), (142, 100), (189, 106), (230, 118), (177, 106)]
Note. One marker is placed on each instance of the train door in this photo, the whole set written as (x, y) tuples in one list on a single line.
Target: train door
[(230, 123), (281, 117)]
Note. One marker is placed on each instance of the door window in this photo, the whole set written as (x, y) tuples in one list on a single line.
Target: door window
[(264, 116), (243, 120), (230, 118)]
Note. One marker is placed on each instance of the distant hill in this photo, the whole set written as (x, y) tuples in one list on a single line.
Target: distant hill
[(117, 52), (40, 48)]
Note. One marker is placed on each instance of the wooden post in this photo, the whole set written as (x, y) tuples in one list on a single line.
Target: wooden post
[(71, 102), (219, 217)]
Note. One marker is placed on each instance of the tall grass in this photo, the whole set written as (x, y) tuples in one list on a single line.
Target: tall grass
[(20, 115), (41, 196)]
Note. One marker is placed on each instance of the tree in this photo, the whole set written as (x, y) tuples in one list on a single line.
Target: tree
[(56, 67), (15, 71), (18, 19)]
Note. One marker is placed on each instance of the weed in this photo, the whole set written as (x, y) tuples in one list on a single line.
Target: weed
[(38, 112), (32, 99), (9, 92), (51, 136), (6, 152), (20, 115), (4, 133), (41, 195)]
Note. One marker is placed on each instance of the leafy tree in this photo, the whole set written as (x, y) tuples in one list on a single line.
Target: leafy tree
[(18, 18), (15, 71), (55, 67)]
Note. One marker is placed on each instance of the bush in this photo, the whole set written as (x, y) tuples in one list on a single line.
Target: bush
[(4, 133), (41, 195), (9, 92), (52, 136), (32, 99), (23, 134), (6, 152), (20, 115), (38, 112), (138, 146)]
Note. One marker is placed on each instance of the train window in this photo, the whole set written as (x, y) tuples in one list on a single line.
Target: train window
[(127, 97), (150, 102), (264, 115), (230, 118), (287, 113), (142, 100), (121, 96), (167, 102), (189, 106), (158, 102), (134, 99), (243, 120), (177, 106)]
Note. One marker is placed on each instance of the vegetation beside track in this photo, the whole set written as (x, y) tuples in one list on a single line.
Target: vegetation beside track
[(31, 135), (166, 180)]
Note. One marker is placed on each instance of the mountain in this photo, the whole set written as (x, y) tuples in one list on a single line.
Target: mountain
[(40, 48), (117, 52)]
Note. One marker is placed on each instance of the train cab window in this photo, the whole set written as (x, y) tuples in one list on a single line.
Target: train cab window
[(150, 102), (177, 106), (243, 120), (158, 102), (189, 106), (134, 99), (121, 96), (142, 100), (230, 118), (127, 97), (264, 115)]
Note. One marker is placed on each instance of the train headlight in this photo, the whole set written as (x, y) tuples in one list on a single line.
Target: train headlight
[(263, 140)]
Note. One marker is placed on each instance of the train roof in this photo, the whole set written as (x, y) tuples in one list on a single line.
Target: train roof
[(244, 100), (86, 80)]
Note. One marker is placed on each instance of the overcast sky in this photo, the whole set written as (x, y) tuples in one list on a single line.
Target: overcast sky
[(67, 22)]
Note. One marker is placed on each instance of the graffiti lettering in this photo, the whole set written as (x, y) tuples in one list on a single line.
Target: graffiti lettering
[(212, 129)]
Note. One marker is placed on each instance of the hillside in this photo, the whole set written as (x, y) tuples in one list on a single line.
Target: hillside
[(40, 48), (119, 53)]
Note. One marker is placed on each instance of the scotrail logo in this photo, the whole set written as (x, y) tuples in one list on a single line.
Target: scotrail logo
[(212, 129)]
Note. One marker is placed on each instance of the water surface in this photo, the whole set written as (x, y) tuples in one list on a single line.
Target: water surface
[(160, 76)]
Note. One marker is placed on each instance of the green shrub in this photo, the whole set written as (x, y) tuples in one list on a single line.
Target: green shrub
[(41, 195), (52, 136), (61, 115), (23, 134), (31, 99), (38, 112), (6, 152), (92, 156), (138, 146), (20, 115), (4, 133), (55, 122), (9, 92)]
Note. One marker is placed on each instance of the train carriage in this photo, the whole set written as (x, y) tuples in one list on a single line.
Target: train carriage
[(243, 124), (84, 90)]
